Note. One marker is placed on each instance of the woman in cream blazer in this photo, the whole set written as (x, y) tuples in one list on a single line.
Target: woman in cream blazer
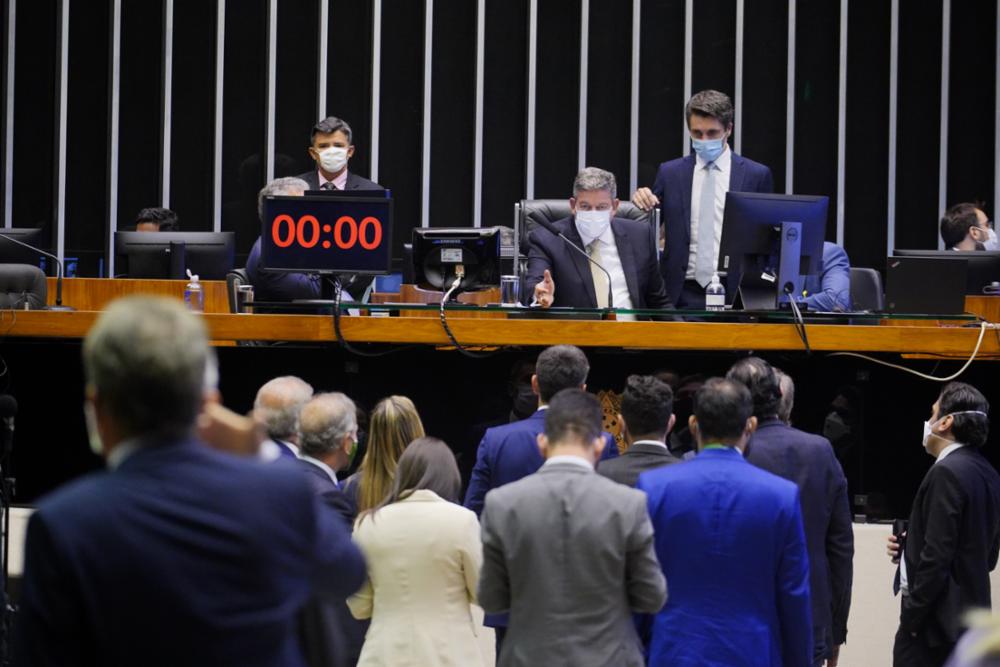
[(424, 554)]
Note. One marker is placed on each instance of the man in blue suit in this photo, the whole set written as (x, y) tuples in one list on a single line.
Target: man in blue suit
[(560, 275), (729, 539), (830, 291), (179, 554), (692, 212), (808, 461), (277, 406), (510, 452)]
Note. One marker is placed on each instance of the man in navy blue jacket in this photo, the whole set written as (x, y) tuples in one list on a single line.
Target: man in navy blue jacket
[(178, 554), (692, 213), (809, 461)]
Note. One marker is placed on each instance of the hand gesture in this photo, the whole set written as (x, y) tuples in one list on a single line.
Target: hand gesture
[(545, 291)]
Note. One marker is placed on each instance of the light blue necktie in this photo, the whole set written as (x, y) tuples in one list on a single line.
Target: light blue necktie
[(704, 266)]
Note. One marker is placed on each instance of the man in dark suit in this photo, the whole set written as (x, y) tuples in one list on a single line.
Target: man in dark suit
[(559, 275), (277, 406), (178, 554), (692, 212), (510, 452), (729, 539), (647, 417), (331, 145), (328, 436), (808, 461), (953, 536), (569, 553), (830, 291)]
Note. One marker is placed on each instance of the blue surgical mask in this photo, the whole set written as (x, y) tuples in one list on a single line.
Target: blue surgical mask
[(709, 150)]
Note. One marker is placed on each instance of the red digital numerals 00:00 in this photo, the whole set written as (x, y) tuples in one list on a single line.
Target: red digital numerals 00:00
[(307, 231)]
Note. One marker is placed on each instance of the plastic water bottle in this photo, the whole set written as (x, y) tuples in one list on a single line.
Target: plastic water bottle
[(194, 297), (715, 294)]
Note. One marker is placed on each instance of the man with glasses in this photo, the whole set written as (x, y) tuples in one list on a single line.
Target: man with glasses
[(620, 251), (692, 192), (965, 227)]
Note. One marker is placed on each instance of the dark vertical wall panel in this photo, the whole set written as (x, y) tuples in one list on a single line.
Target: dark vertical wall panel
[(714, 47), (244, 114), (661, 85), (4, 7), (140, 108), (193, 114), (972, 97), (35, 115), (505, 101), (296, 84), (349, 76), (765, 85), (453, 113), (558, 98), (609, 89), (918, 124), (817, 59), (401, 113), (867, 160), (86, 140)]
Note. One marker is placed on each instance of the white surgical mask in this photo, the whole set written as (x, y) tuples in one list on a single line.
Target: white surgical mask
[(93, 435), (928, 426), (592, 223), (991, 242), (333, 159)]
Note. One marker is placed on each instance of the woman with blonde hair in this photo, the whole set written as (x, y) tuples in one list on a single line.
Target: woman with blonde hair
[(424, 555), (392, 425)]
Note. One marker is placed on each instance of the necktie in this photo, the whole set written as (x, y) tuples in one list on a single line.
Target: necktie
[(705, 263), (328, 186), (600, 279)]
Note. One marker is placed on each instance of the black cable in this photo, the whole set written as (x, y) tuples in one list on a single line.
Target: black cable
[(447, 329), (800, 323), (340, 336)]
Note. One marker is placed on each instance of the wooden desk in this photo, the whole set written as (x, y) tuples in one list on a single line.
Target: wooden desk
[(930, 340), (96, 293)]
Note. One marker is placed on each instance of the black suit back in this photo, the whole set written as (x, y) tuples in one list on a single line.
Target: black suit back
[(637, 459)]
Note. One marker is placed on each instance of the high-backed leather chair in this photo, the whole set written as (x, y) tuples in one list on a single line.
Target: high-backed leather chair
[(22, 284), (866, 289)]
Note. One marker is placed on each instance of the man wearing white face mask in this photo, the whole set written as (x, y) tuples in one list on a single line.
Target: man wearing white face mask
[(965, 227), (953, 536), (692, 193), (331, 146), (561, 276)]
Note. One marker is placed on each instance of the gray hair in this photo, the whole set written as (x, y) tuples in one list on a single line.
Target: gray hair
[(324, 422), (713, 104), (149, 361), (787, 400), (278, 404), (288, 185), (590, 179)]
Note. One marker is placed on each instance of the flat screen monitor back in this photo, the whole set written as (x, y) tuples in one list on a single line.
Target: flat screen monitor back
[(983, 266), (209, 255), (12, 253)]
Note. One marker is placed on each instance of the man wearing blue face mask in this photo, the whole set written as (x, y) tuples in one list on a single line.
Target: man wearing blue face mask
[(953, 536), (624, 249), (692, 193)]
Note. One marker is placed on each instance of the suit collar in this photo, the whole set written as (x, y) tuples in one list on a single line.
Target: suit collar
[(567, 464), (580, 262), (729, 453), (647, 447), (422, 496), (737, 174), (687, 176)]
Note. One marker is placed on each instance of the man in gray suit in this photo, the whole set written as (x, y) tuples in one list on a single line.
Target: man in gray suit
[(569, 553)]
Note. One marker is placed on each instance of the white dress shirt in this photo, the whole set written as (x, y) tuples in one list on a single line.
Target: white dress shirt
[(723, 172), (612, 262)]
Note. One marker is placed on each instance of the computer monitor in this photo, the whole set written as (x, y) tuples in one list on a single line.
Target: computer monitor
[(769, 244), (438, 251), (168, 255), (983, 265), (12, 253)]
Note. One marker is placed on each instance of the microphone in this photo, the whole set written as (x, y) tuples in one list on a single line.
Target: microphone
[(59, 274), (552, 228)]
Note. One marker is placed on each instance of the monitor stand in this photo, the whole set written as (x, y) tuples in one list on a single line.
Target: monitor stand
[(766, 291)]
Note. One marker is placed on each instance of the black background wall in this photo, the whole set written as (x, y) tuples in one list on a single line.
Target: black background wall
[(452, 70)]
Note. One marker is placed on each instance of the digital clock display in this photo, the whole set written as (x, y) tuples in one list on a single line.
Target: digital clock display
[(327, 234)]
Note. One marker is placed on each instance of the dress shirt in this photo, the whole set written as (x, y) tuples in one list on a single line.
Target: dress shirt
[(340, 182), (122, 451), (612, 262), (723, 165), (648, 442)]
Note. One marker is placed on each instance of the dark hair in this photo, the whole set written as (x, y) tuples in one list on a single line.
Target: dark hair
[(647, 404), (164, 217), (573, 413), (969, 429), (722, 408), (957, 221), (713, 104), (427, 463), (759, 377), (560, 367), (329, 126)]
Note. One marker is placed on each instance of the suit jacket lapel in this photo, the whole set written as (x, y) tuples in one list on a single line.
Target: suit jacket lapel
[(687, 182), (352, 181), (627, 257), (737, 173), (581, 263)]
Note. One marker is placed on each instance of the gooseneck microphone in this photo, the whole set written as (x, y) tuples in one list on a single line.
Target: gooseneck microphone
[(8, 410), (59, 275), (552, 228)]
